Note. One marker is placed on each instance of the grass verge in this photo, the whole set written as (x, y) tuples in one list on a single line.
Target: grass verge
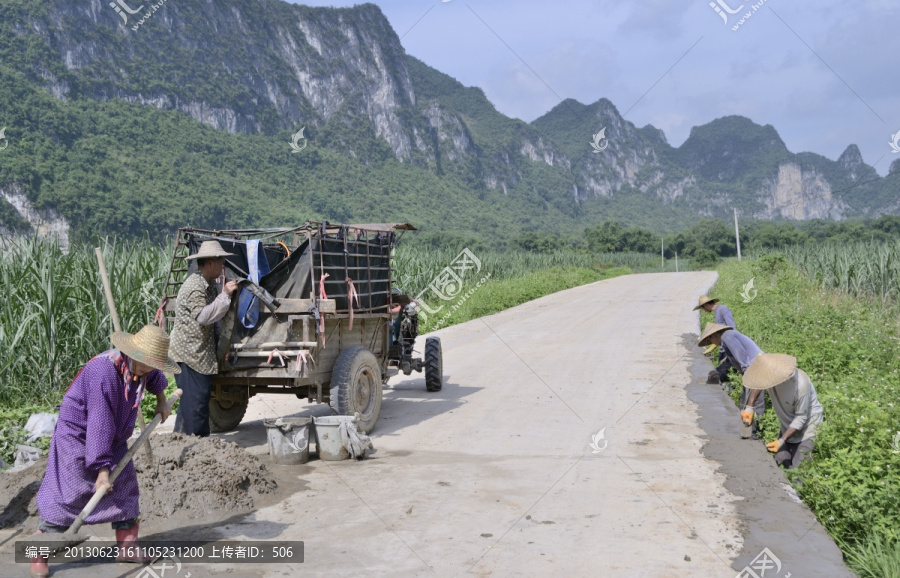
[(494, 296), (850, 349)]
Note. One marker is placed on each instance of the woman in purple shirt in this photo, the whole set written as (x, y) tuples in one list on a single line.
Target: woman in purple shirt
[(96, 419)]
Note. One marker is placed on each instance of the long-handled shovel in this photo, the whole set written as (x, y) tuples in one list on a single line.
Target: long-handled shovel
[(116, 325), (71, 536)]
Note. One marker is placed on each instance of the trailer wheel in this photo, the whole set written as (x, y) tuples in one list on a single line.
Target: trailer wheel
[(225, 415), (356, 386), (434, 364)]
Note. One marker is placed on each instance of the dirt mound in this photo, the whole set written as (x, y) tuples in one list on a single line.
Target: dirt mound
[(195, 476), (17, 491), (189, 475)]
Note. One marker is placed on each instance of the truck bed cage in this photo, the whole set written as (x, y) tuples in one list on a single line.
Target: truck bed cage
[(298, 258)]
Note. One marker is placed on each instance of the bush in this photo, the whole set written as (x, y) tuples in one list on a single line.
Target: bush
[(705, 258), (771, 263)]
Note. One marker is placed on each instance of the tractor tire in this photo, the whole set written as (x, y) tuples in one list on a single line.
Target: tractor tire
[(356, 386), (434, 364), (225, 415)]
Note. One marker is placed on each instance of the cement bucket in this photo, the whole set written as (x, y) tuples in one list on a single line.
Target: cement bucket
[(328, 437), (288, 439)]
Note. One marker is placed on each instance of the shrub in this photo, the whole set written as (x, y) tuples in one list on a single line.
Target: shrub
[(705, 258)]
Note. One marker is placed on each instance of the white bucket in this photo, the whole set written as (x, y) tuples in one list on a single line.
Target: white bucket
[(288, 439), (328, 437)]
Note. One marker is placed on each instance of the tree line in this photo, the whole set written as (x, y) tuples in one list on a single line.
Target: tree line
[(708, 240)]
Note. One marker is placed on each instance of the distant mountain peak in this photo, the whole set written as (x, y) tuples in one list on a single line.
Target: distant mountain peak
[(739, 128), (851, 158), (259, 70)]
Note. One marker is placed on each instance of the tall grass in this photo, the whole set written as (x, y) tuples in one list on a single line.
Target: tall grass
[(873, 557), (54, 318), (417, 267), (53, 314), (864, 269)]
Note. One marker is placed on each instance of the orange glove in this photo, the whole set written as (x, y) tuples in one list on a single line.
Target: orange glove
[(747, 415), (773, 447)]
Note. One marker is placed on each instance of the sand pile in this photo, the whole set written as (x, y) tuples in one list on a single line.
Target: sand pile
[(189, 475), (17, 491), (196, 476)]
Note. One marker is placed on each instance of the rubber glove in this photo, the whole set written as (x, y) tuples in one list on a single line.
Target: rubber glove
[(773, 447), (747, 415)]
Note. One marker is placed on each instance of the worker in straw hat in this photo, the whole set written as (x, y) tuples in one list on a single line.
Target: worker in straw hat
[(794, 401), (197, 310), (96, 419), (741, 351), (722, 315)]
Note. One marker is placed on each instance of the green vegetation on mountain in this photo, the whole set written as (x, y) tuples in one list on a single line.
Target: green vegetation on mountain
[(128, 169), (187, 120)]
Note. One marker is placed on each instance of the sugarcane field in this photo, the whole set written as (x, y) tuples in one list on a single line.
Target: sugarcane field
[(495, 289)]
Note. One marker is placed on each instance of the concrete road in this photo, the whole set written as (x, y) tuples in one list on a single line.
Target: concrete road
[(496, 475)]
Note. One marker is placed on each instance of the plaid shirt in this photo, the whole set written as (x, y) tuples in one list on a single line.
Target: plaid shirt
[(192, 343)]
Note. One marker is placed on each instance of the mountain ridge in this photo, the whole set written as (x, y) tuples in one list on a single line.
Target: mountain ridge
[(373, 117)]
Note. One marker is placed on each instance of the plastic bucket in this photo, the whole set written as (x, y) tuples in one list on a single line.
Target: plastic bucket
[(328, 437), (288, 439)]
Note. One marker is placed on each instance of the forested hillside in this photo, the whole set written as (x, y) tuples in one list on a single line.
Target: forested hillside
[(185, 114)]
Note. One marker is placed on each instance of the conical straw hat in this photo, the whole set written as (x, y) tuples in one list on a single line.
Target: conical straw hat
[(769, 369), (712, 329), (210, 250), (150, 346), (704, 299)]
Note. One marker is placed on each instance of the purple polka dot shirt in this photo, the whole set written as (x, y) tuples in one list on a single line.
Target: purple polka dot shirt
[(95, 423)]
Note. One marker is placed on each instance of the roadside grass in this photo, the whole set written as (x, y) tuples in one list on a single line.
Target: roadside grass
[(498, 295), (850, 348), (874, 557)]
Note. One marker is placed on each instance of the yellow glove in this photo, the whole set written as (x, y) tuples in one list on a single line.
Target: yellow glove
[(747, 415), (773, 447)]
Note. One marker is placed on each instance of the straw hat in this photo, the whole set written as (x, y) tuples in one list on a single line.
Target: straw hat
[(210, 250), (150, 346), (712, 329), (704, 299), (769, 370)]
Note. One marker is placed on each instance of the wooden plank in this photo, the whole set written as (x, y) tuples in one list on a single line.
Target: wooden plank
[(287, 353), (288, 306), (269, 345), (293, 306)]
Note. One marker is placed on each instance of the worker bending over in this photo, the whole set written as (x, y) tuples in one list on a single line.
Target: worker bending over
[(794, 401), (741, 351)]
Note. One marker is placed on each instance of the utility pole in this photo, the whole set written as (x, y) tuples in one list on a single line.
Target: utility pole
[(737, 234), (662, 253)]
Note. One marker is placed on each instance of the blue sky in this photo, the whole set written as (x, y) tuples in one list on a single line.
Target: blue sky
[(823, 73)]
